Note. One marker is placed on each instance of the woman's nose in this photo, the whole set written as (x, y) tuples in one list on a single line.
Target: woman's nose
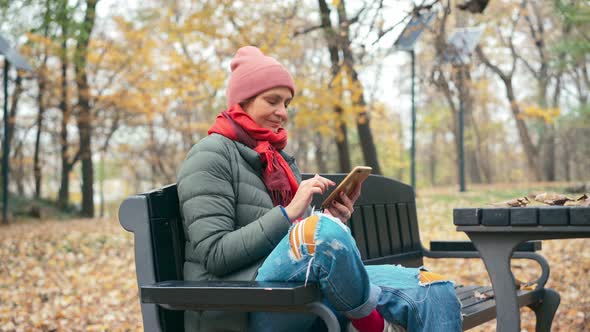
[(282, 112)]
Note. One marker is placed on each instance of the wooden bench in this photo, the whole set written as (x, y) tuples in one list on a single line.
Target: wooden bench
[(384, 225)]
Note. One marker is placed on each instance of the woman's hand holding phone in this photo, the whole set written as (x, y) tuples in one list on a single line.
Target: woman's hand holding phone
[(339, 203), (304, 195), (344, 210)]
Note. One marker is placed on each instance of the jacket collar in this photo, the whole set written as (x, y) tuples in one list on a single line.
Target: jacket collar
[(253, 159)]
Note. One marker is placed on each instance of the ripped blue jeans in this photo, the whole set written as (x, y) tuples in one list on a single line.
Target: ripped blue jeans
[(321, 249)]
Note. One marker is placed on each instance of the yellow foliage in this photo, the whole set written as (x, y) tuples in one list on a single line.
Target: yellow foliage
[(547, 115)]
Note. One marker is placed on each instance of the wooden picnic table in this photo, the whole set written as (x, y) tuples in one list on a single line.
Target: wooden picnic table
[(496, 232)]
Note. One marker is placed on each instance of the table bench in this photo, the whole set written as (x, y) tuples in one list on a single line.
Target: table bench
[(384, 225), (495, 232)]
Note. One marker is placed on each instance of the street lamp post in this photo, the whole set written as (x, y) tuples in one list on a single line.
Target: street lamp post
[(406, 42), (461, 138), (458, 52), (413, 148), (5, 147)]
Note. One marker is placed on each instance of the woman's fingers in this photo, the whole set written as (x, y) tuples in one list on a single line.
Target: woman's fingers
[(348, 203), (326, 183), (320, 182), (340, 210), (304, 195), (356, 193)]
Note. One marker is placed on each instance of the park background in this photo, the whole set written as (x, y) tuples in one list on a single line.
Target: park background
[(120, 91)]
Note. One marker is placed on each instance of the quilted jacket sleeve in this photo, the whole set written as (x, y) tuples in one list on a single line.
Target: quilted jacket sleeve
[(207, 202)]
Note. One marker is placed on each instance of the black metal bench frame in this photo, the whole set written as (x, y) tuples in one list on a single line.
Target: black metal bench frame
[(384, 225)]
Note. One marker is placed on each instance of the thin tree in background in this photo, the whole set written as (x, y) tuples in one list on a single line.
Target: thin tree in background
[(332, 42), (67, 161), (340, 49), (84, 112), (41, 86)]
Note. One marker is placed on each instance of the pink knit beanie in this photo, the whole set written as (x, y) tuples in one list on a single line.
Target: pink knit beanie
[(252, 73)]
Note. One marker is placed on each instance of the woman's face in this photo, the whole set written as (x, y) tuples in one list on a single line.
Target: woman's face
[(269, 109)]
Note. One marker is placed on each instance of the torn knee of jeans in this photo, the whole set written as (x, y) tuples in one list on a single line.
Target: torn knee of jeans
[(302, 238), (428, 278), (336, 245)]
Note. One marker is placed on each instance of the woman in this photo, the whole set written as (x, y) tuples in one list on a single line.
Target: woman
[(246, 212)]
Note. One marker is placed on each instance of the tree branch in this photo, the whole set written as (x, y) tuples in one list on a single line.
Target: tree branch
[(307, 30), (489, 64), (537, 36)]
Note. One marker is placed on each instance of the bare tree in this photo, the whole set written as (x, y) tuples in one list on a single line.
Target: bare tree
[(84, 112), (506, 77), (332, 37)]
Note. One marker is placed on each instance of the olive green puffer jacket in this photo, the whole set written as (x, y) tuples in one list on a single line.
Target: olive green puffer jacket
[(229, 219)]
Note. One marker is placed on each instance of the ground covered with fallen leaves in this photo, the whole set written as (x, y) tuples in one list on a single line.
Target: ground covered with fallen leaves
[(79, 275)]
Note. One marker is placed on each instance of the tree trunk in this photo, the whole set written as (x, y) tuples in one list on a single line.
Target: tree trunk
[(432, 158), (442, 85), (18, 89), (530, 151), (332, 40), (362, 119), (366, 140), (472, 167), (84, 119), (63, 198), (152, 155), (41, 106), (320, 154), (483, 158), (19, 172), (525, 139), (342, 142), (85, 132), (101, 184), (400, 137), (547, 141), (549, 152)]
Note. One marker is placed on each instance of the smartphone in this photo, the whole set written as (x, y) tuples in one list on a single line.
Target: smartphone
[(355, 177)]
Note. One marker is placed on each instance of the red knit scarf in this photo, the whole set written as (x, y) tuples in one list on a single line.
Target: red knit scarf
[(277, 176)]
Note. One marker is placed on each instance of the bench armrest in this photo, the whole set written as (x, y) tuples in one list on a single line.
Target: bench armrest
[(243, 296), (454, 246), (466, 249), (230, 295)]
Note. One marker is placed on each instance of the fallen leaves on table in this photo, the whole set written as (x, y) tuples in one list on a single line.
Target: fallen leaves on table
[(552, 198), (584, 200), (517, 202)]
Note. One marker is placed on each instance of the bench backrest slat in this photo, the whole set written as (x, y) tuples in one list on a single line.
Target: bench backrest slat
[(357, 226), (383, 230)]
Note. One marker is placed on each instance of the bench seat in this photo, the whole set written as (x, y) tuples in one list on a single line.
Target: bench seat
[(477, 302)]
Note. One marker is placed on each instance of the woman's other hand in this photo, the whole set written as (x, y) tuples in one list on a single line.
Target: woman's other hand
[(304, 195), (344, 210)]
